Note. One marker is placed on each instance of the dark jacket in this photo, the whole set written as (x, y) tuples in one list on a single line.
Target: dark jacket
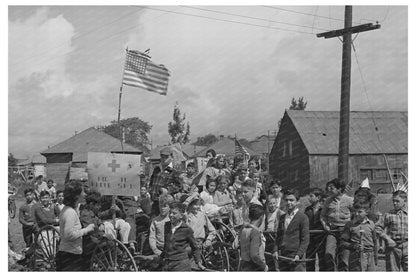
[(315, 223), (295, 240), (176, 244)]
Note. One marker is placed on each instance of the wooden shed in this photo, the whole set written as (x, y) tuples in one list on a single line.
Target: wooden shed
[(305, 152), (70, 156)]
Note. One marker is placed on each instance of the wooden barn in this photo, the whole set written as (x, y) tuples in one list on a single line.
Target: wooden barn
[(68, 159), (305, 152)]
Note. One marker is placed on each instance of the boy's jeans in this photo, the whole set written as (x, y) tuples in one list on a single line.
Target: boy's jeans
[(119, 224), (362, 261), (396, 257), (332, 243)]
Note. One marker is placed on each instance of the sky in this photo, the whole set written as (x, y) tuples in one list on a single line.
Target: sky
[(234, 69)]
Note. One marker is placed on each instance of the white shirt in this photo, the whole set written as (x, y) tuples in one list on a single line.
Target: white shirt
[(289, 217), (176, 227)]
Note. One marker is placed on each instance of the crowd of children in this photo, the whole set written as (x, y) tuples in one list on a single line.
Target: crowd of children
[(339, 231)]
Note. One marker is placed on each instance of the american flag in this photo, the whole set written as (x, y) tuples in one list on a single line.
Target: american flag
[(141, 72), (239, 149)]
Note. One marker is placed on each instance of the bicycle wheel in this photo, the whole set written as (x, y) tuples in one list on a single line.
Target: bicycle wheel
[(228, 236), (112, 255), (216, 257), (45, 248)]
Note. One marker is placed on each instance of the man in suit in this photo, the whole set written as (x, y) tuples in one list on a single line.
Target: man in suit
[(292, 235)]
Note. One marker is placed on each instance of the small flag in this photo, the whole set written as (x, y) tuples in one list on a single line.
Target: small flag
[(239, 149), (141, 72), (348, 187)]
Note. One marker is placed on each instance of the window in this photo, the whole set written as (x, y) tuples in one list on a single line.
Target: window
[(380, 174), (287, 149), (366, 173)]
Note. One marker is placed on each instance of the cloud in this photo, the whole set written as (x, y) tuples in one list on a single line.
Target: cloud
[(38, 47)]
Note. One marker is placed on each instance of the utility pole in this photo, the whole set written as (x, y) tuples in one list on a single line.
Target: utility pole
[(344, 122)]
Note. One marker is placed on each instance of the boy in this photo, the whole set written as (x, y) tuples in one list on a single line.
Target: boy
[(249, 195), (60, 199), (292, 235), (88, 215), (237, 212), (199, 222), (51, 189), (178, 238), (188, 177), (316, 240), (111, 226), (276, 193), (27, 217), (145, 203), (273, 214), (157, 226), (336, 212), (393, 228), (360, 238), (39, 186)]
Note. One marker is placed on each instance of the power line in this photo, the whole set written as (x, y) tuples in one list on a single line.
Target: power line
[(174, 12), (365, 91), (231, 21), (251, 17), (308, 14), (103, 39), (77, 36)]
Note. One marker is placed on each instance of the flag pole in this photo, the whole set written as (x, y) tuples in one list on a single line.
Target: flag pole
[(113, 198), (119, 104)]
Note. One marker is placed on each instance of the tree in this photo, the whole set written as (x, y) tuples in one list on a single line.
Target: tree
[(12, 160), (298, 105), (136, 132), (178, 130), (206, 140)]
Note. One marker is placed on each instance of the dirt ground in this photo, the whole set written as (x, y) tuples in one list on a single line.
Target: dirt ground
[(15, 231)]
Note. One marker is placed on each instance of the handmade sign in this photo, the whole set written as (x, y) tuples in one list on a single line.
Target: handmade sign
[(114, 174)]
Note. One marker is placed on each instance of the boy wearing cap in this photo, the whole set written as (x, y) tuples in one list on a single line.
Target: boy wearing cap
[(162, 177)]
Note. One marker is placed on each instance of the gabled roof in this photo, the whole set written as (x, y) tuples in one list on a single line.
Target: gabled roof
[(263, 144), (319, 131), (90, 140), (35, 159), (190, 150), (226, 147)]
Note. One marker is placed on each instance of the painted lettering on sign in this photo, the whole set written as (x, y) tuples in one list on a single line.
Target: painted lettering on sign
[(114, 174)]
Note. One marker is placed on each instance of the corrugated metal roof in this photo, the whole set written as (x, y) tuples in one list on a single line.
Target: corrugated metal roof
[(319, 131), (224, 146), (90, 140)]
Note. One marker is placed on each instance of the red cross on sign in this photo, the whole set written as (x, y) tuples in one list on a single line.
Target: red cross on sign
[(114, 165)]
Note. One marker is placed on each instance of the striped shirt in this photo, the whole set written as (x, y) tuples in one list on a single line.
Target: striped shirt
[(394, 224)]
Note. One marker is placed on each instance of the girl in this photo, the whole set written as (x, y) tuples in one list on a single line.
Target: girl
[(207, 198), (69, 256)]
